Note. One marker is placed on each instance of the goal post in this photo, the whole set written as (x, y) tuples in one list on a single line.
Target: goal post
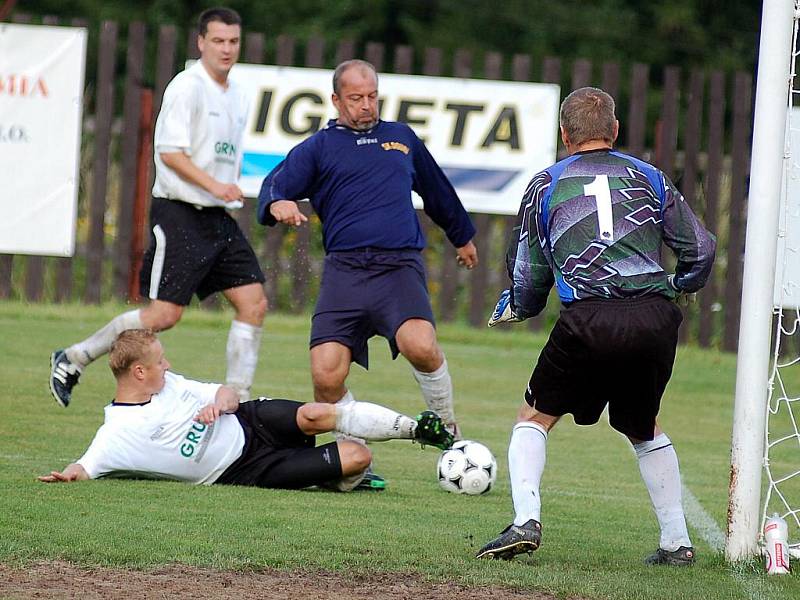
[(755, 326)]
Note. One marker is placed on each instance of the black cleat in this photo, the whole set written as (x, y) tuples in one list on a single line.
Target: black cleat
[(64, 376), (432, 432), (513, 540), (682, 557)]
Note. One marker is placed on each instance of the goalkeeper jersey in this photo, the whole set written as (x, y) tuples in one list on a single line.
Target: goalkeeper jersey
[(593, 224)]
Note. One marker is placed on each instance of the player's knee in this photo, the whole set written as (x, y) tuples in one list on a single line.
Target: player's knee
[(259, 309), (424, 354), (162, 317), (313, 418), (354, 457), (328, 381)]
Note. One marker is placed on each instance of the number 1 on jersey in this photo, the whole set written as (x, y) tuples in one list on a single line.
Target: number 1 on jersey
[(602, 196)]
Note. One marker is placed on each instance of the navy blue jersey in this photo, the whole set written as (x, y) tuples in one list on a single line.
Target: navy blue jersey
[(360, 184), (593, 224)]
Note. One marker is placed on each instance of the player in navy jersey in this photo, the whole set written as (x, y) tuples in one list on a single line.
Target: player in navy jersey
[(359, 172), (593, 225)]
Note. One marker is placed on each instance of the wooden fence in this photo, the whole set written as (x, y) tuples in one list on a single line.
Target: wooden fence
[(695, 126)]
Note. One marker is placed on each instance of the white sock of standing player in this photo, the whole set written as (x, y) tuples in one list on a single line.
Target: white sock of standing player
[(99, 343), (658, 464), (437, 390), (241, 352), (527, 452)]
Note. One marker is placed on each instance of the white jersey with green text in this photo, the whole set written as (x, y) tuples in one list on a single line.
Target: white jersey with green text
[(161, 440), (206, 121)]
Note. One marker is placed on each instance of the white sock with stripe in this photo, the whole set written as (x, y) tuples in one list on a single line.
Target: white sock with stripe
[(527, 452), (372, 422), (658, 464), (99, 343)]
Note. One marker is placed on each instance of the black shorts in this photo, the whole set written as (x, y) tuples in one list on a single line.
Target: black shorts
[(194, 251), (369, 292), (276, 453), (615, 352)]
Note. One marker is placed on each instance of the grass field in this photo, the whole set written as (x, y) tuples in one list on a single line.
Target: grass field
[(598, 524)]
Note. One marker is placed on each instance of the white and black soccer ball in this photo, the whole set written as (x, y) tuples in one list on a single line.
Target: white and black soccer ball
[(467, 468)]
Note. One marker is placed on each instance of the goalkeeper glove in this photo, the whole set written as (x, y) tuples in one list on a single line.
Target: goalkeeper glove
[(683, 298), (503, 311)]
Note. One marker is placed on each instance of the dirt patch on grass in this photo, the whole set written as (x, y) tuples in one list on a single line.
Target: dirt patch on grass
[(64, 580)]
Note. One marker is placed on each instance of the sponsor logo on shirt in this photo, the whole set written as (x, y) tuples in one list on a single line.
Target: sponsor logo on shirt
[(395, 146), (362, 141), (194, 440), (225, 148), (225, 152)]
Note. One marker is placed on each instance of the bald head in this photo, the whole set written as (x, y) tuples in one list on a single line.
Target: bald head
[(362, 65)]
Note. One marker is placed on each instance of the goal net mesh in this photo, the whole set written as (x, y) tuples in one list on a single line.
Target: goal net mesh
[(782, 447)]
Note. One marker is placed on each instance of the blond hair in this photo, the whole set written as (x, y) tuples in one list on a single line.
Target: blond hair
[(588, 114), (130, 346)]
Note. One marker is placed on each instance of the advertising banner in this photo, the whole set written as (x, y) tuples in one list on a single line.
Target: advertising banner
[(490, 137), (41, 101)]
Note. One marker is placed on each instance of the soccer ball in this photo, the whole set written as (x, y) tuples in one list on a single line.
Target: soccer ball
[(467, 468)]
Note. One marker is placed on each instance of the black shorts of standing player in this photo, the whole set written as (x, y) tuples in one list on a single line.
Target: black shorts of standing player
[(614, 352), (369, 292), (194, 251), (276, 453)]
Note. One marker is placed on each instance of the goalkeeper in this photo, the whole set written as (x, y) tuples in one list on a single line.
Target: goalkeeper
[(163, 426), (593, 224)]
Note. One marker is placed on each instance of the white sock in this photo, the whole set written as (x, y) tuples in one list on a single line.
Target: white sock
[(527, 452), (346, 400), (437, 390), (99, 343), (373, 422), (242, 354), (658, 464)]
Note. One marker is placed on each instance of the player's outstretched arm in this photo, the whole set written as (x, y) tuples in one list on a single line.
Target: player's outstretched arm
[(287, 212), (504, 310), (73, 472), (467, 255)]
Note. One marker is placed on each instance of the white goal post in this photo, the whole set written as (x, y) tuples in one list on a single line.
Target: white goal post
[(755, 328)]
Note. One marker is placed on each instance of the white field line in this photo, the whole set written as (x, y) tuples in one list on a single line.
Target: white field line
[(754, 587)]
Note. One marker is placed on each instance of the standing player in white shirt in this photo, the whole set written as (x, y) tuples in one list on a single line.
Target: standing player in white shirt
[(163, 426), (196, 247)]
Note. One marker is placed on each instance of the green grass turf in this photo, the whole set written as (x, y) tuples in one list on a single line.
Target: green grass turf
[(598, 524)]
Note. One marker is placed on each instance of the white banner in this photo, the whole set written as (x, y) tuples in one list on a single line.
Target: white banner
[(490, 137), (41, 101)]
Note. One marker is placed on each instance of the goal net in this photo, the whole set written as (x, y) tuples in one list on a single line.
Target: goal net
[(782, 434)]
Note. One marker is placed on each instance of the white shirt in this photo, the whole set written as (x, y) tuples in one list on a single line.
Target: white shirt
[(206, 121), (161, 440)]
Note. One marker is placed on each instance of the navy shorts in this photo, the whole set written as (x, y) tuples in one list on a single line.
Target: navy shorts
[(276, 453), (608, 352), (369, 292), (194, 251)]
